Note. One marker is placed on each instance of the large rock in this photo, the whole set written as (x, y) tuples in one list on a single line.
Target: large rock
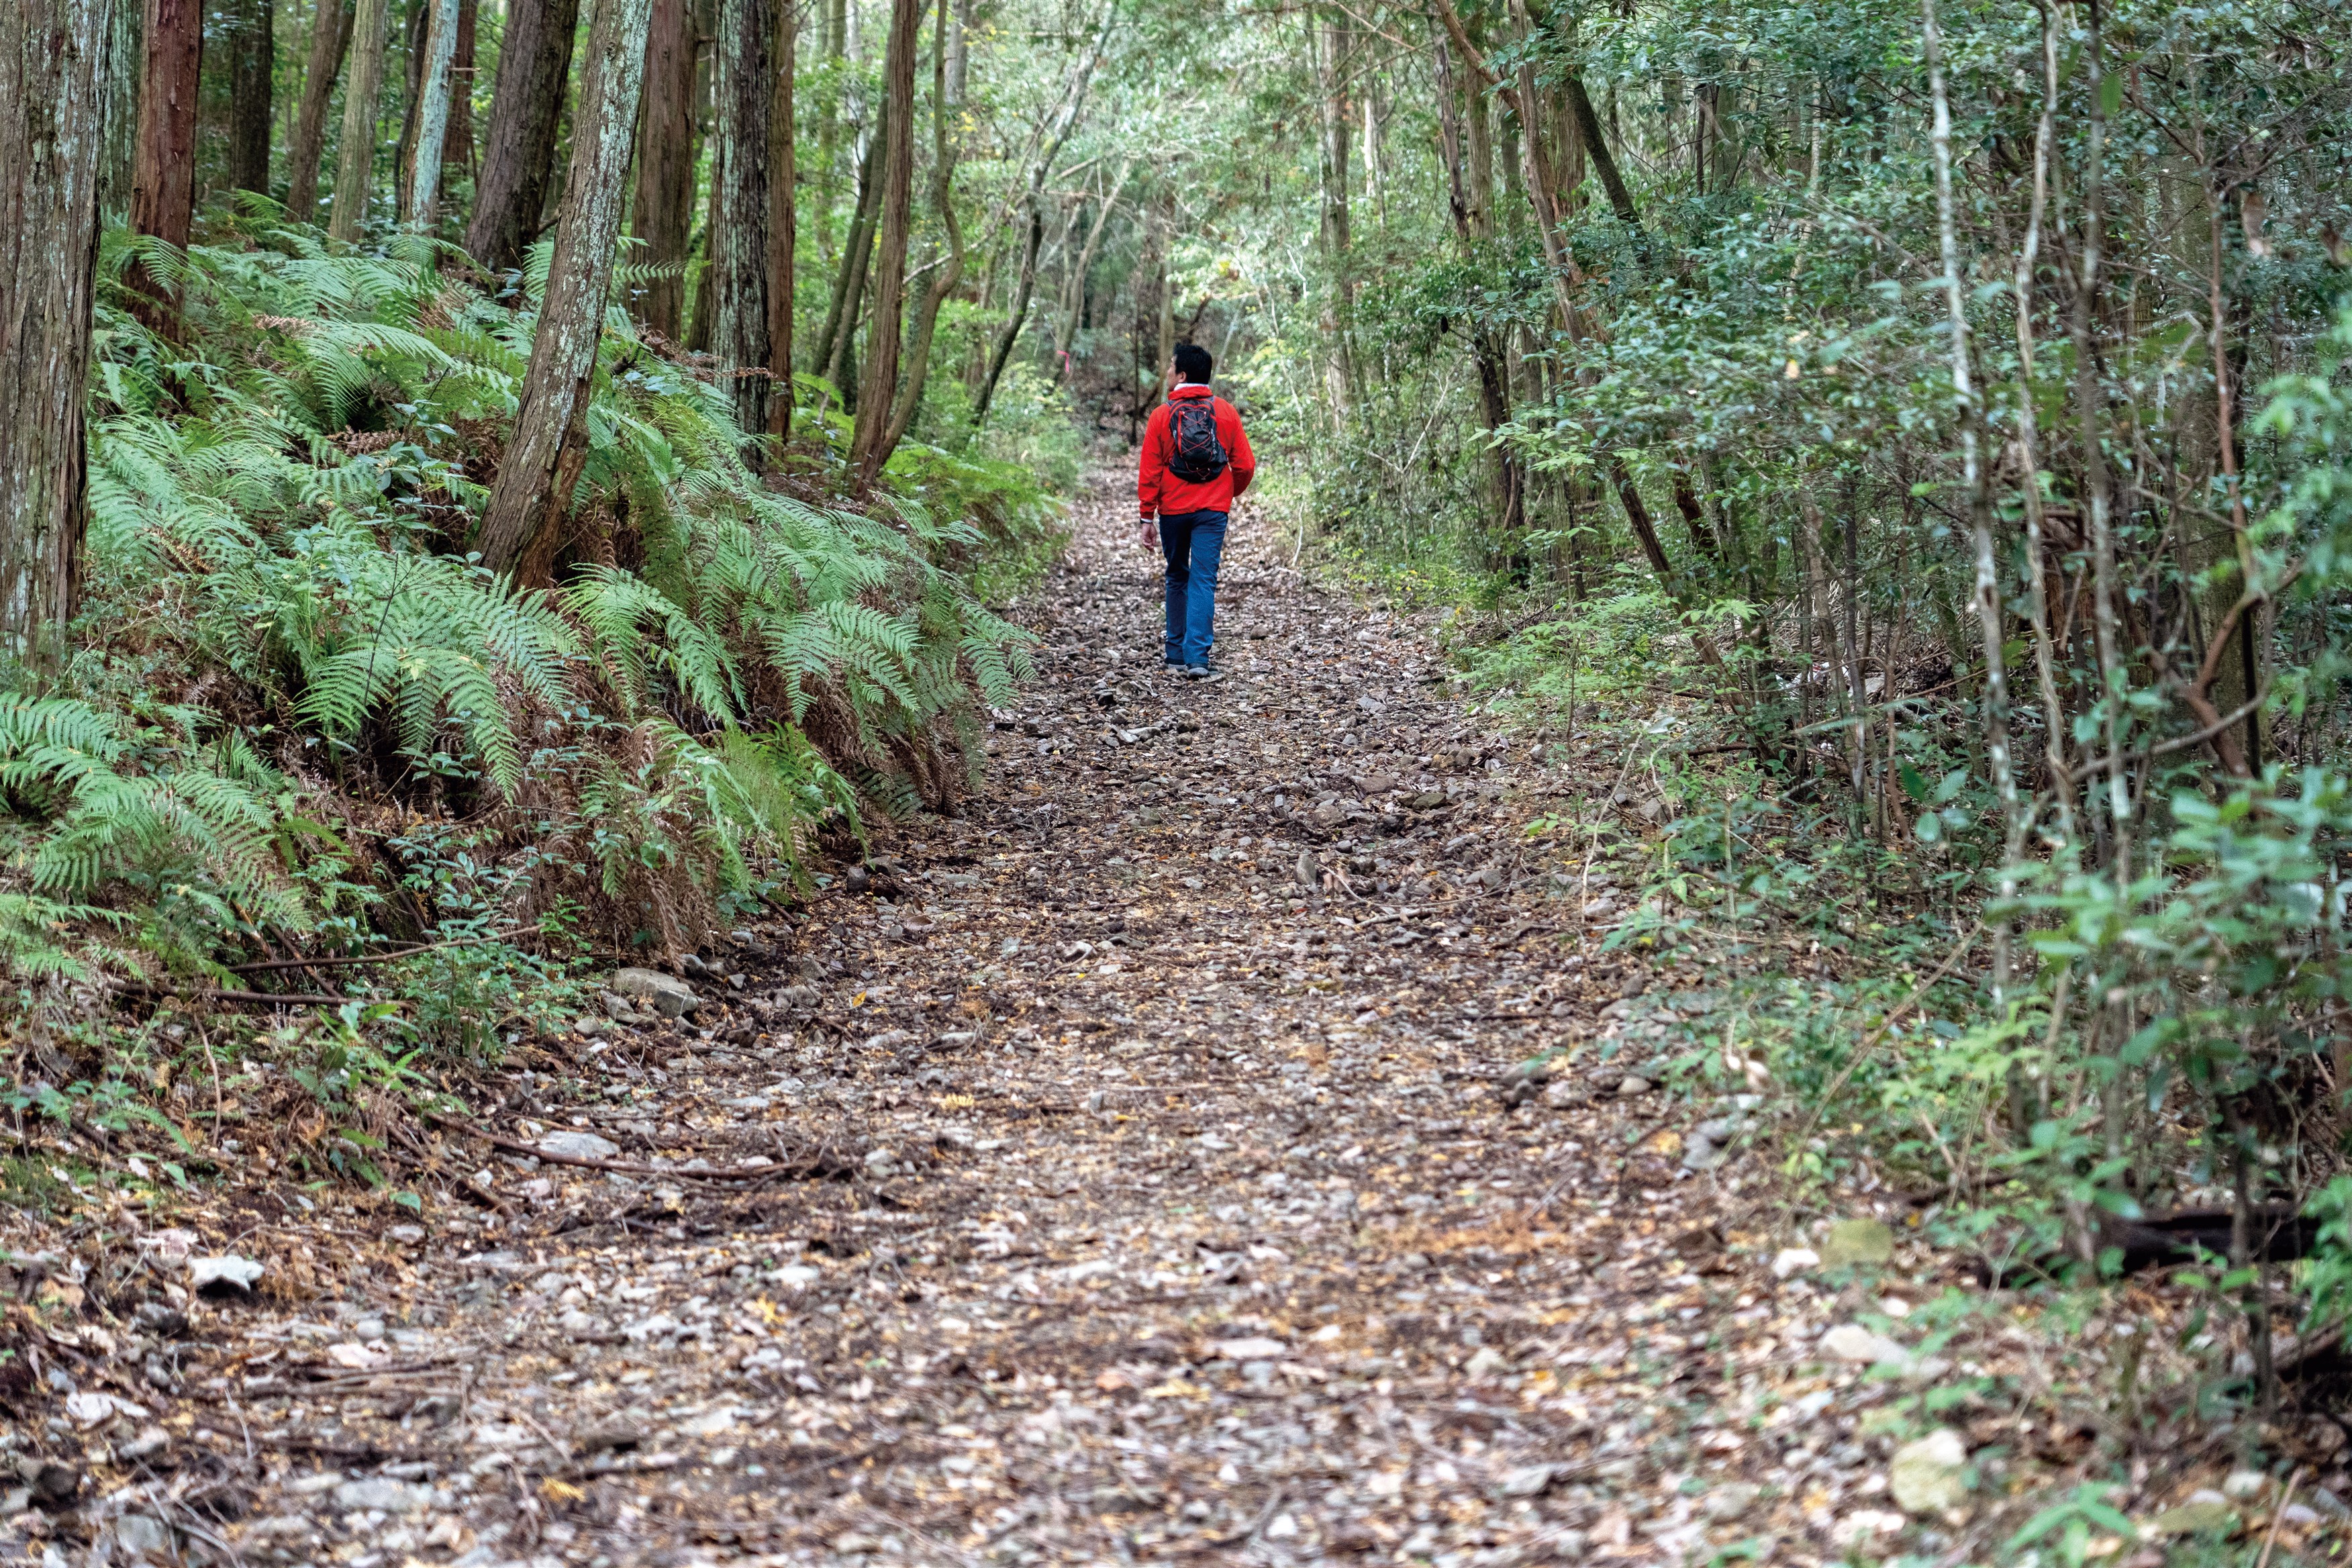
[(1857, 1241), (670, 997), (1930, 1476)]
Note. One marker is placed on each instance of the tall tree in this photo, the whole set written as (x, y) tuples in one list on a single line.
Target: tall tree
[(458, 139), (521, 527), (878, 390), (663, 209), (253, 62), (422, 192), (946, 103), (163, 179), (126, 68), (783, 225), (518, 155), (1074, 286), (53, 99), (356, 155), (835, 351), (744, 95), (330, 40)]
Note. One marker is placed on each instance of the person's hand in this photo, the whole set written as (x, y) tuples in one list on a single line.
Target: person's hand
[(1151, 534)]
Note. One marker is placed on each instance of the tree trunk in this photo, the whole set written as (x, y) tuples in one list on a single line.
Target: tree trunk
[(534, 62), (331, 39), (53, 99), (1074, 286), (1335, 42), (1022, 291), (744, 95), (413, 63), (849, 278), (926, 319), (252, 63), (422, 203), (878, 390), (664, 208), (164, 182), (457, 138), (126, 70), (1471, 210), (783, 225), (356, 156), (521, 526)]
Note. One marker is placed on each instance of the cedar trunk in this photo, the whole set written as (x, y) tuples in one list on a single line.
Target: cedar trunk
[(331, 39), (250, 69), (420, 203), (53, 76), (744, 96), (534, 62), (457, 141), (163, 180), (869, 444), (522, 527), (784, 236), (356, 156), (664, 208)]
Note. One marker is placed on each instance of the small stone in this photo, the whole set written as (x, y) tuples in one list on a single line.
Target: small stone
[(1698, 1154), (1488, 1362), (227, 1275), (1560, 1094), (142, 1537), (385, 1494), (669, 997), (2193, 1517), (1857, 1241), (150, 1441), (1930, 1475), (1256, 1348), (1632, 1084), (1728, 1502), (1794, 1260), (1306, 870), (850, 1544), (857, 880), (575, 1144), (2244, 1485), (1529, 1481), (406, 1235), (1853, 1342)]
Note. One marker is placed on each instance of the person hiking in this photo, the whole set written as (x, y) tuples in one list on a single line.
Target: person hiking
[(1196, 461)]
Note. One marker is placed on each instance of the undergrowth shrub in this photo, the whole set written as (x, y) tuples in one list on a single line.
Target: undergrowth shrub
[(297, 720)]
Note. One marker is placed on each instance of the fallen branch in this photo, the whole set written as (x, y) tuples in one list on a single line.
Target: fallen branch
[(241, 998), (816, 1165)]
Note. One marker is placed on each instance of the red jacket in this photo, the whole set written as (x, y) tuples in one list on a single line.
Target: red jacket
[(1165, 495)]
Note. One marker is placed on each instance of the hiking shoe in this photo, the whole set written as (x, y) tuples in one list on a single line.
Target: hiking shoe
[(1199, 672)]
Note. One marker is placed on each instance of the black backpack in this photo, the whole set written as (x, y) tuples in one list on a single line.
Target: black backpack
[(1194, 453)]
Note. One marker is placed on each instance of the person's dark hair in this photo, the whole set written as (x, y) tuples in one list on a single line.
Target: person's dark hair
[(1192, 361)]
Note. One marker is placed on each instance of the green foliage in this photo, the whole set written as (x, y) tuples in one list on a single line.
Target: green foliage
[(283, 646)]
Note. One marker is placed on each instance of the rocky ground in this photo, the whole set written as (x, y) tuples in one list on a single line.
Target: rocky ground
[(1138, 1166)]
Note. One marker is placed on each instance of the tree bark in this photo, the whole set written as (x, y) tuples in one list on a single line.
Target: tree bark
[(878, 390), (926, 318), (164, 182), (1335, 42), (331, 39), (663, 212), (356, 156), (421, 204), (252, 63), (126, 71), (1472, 213), (457, 138), (783, 225), (849, 278), (521, 526), (534, 62), (744, 94), (53, 100)]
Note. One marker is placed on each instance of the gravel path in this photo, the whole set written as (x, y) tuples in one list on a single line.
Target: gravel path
[(1126, 1199)]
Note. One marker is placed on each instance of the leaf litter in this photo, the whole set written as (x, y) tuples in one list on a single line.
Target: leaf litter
[(1206, 1146)]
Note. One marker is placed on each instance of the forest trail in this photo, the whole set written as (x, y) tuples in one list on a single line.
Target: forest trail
[(1132, 1204)]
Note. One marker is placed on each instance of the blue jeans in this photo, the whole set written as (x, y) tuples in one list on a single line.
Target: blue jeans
[(1192, 542)]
